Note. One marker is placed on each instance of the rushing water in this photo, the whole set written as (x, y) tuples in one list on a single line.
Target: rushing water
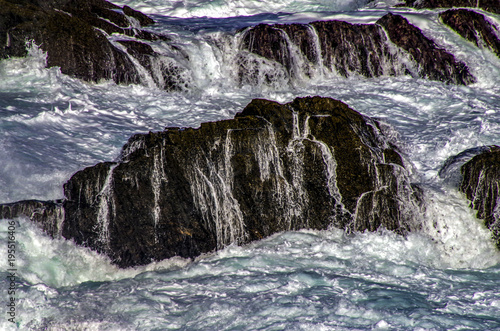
[(445, 277)]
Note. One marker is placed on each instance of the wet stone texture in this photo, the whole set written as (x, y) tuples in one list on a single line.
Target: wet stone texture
[(481, 184), (74, 34), (390, 47), (433, 62), (488, 5), (312, 163), (474, 27)]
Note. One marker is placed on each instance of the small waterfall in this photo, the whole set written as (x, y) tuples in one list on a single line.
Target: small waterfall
[(106, 209), (133, 145), (319, 70), (394, 201), (158, 177), (289, 196), (328, 158), (331, 173), (212, 186), (59, 221), (298, 197)]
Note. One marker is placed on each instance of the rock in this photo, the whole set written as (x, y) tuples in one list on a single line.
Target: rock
[(433, 62), (450, 171), (48, 215), (347, 49), (341, 47), (356, 49), (481, 184), (74, 35), (312, 163), (488, 5), (474, 27)]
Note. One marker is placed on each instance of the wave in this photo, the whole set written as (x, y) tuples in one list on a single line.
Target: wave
[(231, 8)]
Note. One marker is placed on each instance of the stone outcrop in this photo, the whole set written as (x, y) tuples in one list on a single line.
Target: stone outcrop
[(481, 185), (488, 5), (95, 40), (392, 46), (450, 171), (75, 36), (432, 62), (474, 27), (312, 163)]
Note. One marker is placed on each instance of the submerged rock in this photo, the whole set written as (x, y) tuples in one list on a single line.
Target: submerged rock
[(392, 46), (481, 185), (312, 163), (474, 27)]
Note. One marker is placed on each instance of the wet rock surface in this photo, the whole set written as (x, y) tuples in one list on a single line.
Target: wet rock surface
[(75, 36), (481, 185), (312, 163), (48, 215), (474, 27), (432, 62), (390, 47)]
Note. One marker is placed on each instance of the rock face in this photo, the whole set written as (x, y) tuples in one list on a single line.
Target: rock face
[(48, 215), (488, 5), (312, 163), (473, 27), (481, 185), (75, 35), (392, 46), (432, 62), (95, 40)]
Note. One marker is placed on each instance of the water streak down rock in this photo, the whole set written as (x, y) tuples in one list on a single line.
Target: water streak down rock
[(312, 163), (481, 185)]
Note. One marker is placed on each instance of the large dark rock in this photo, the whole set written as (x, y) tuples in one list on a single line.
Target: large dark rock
[(75, 36), (481, 185), (348, 49), (312, 163), (474, 27), (488, 5)]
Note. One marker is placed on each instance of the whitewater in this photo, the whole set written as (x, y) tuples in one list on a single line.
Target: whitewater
[(445, 277)]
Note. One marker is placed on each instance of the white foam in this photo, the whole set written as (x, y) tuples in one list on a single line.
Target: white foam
[(228, 8), (58, 262)]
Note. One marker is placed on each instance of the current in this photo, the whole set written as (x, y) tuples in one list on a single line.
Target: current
[(445, 277)]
